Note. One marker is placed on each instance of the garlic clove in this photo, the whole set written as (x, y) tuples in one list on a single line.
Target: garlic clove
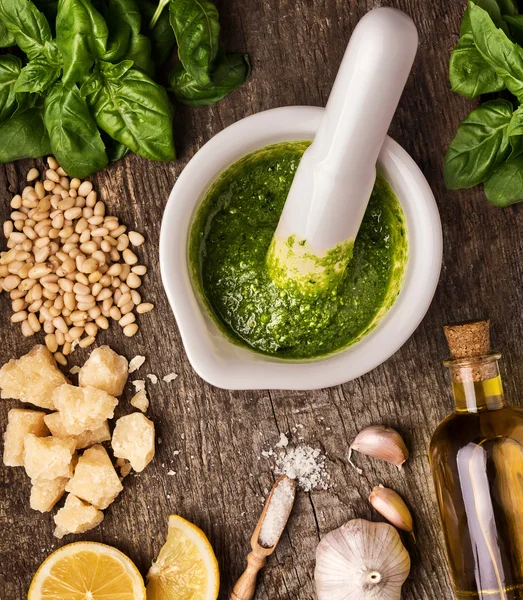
[(380, 442), (391, 506), (361, 561)]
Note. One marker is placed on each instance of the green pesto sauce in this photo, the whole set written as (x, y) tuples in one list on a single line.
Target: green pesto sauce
[(229, 241)]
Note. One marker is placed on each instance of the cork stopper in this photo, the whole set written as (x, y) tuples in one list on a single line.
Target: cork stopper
[(468, 339)]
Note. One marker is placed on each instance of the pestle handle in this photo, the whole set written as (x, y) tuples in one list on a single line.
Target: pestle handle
[(335, 177), (246, 585)]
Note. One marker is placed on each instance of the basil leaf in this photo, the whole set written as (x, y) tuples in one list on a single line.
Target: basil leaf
[(505, 186), (81, 36), (492, 7), (470, 74), (231, 72), (140, 53), (7, 39), (480, 145), (134, 110), (196, 28), (125, 41), (27, 24), (508, 7), (505, 57), (75, 139), (24, 136), (515, 127), (37, 76), (115, 150), (516, 146), (10, 67), (49, 8), (515, 25), (161, 35)]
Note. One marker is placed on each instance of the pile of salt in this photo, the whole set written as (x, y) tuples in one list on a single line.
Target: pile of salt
[(278, 512)]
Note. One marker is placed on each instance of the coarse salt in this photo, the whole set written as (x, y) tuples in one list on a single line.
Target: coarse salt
[(284, 441), (277, 514), (152, 378), (136, 363), (170, 377), (74, 370), (305, 465)]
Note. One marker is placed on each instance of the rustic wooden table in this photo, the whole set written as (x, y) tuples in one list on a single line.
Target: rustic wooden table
[(296, 47)]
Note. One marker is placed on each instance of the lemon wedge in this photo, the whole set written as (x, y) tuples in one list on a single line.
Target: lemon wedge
[(186, 568), (87, 571)]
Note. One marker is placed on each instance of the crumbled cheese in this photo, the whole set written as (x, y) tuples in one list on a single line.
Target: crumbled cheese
[(20, 422), (170, 377), (105, 370), (74, 370), (133, 439), (304, 464), (140, 401), (139, 384), (153, 378), (171, 472), (136, 363)]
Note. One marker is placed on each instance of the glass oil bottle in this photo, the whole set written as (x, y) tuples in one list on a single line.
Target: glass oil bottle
[(476, 457)]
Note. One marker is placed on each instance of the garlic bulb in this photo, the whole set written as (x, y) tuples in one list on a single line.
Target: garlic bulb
[(380, 442), (361, 561), (391, 505)]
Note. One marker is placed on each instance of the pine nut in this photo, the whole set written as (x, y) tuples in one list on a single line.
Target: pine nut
[(11, 282), (102, 322), (91, 199), (124, 299), (130, 330), (127, 320), (91, 329), (115, 313), (66, 350), (85, 188), (18, 317), (52, 175), (51, 343), (59, 323), (129, 257), (145, 307), (16, 202), (60, 359), (86, 342), (127, 308), (133, 281), (139, 270), (27, 330), (122, 243), (34, 323)]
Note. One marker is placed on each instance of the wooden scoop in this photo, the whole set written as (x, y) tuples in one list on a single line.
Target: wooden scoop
[(256, 560)]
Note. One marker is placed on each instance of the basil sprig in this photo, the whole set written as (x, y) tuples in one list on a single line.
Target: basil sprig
[(86, 91), (488, 146)]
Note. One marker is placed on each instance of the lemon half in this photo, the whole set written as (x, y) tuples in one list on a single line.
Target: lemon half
[(186, 568), (87, 571)]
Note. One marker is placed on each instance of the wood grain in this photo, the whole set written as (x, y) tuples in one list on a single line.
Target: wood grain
[(221, 478)]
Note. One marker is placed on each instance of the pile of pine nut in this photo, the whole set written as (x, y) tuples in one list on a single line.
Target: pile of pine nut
[(69, 267)]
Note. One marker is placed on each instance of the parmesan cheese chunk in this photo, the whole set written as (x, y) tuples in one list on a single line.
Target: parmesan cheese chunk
[(83, 440), (140, 401), (105, 370), (95, 479), (133, 439), (83, 409), (46, 458), (20, 422), (32, 378), (76, 517), (45, 494)]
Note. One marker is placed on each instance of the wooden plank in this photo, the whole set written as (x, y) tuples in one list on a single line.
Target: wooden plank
[(221, 475)]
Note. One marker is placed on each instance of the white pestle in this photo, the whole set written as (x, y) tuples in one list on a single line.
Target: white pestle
[(313, 242)]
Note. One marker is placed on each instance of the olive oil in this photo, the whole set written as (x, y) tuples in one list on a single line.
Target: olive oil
[(477, 461)]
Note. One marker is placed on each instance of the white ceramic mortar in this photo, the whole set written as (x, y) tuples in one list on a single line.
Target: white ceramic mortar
[(224, 364)]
